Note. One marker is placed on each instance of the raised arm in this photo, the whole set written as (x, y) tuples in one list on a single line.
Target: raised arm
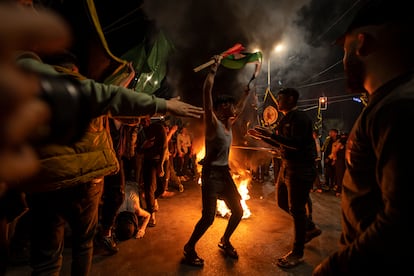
[(210, 119), (241, 103)]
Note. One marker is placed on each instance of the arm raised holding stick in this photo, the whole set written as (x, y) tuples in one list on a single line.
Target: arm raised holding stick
[(235, 49)]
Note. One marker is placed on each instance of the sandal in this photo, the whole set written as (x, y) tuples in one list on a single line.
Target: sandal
[(191, 258), (228, 249), (290, 260)]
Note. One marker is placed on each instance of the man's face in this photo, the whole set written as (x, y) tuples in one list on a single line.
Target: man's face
[(353, 67), (332, 134), (227, 109), (145, 121), (284, 102)]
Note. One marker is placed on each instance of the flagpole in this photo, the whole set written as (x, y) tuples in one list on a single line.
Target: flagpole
[(204, 65), (268, 72), (235, 49)]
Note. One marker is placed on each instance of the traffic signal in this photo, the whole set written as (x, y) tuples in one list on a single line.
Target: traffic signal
[(323, 103)]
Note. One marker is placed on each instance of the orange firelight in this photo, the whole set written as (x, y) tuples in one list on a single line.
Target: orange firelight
[(242, 179)]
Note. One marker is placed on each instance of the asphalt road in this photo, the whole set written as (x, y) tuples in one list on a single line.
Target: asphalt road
[(259, 239)]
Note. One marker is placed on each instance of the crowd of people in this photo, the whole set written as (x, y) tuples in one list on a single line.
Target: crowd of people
[(331, 170), (63, 184), (146, 150)]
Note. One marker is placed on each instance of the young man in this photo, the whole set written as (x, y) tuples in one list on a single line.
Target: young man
[(297, 172), (377, 187), (127, 223), (69, 185), (217, 181)]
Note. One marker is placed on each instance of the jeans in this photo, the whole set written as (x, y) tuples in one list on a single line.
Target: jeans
[(78, 206)]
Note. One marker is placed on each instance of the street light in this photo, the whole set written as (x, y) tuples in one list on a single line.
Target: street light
[(323, 103), (278, 48)]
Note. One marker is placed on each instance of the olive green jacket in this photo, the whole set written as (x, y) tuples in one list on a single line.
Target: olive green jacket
[(93, 155)]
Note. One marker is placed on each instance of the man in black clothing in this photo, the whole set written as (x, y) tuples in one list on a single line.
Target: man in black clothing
[(298, 171), (377, 188)]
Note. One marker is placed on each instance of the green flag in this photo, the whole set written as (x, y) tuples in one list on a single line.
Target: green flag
[(239, 60)]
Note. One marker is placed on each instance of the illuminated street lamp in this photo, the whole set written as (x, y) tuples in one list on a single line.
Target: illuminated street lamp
[(323, 103), (278, 48)]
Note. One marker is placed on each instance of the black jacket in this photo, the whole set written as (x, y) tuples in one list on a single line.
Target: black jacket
[(378, 185)]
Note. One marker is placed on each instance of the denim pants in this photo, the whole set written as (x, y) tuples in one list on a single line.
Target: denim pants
[(77, 206)]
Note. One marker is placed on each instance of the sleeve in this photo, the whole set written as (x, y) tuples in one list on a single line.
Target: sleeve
[(106, 99), (119, 101), (301, 125), (382, 240)]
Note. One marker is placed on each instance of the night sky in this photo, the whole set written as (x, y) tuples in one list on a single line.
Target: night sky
[(306, 28), (200, 29)]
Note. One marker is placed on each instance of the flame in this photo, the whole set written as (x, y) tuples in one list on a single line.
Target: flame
[(242, 186), (242, 180)]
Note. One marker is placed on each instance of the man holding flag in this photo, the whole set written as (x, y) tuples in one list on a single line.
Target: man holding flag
[(236, 58), (217, 182)]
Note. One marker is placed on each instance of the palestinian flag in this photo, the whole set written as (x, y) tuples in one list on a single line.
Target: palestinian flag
[(239, 60)]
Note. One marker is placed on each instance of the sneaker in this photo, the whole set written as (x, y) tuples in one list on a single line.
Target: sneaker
[(181, 188), (290, 260), (310, 234), (109, 244)]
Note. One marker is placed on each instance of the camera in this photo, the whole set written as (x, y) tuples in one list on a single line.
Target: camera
[(70, 110)]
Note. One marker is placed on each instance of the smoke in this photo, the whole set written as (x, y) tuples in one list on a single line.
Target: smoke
[(201, 29)]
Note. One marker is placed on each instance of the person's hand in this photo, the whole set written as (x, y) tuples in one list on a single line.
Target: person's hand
[(179, 108), (17, 156), (160, 170), (260, 132), (140, 234), (216, 64), (174, 128), (255, 134), (22, 29), (266, 132), (22, 113)]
